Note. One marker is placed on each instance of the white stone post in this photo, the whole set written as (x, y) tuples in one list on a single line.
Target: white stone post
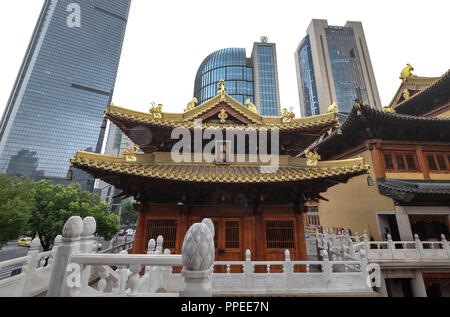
[(86, 246), (198, 259), (70, 245), (445, 245), (122, 271), (419, 246), (327, 268), (29, 270), (288, 270), (248, 269)]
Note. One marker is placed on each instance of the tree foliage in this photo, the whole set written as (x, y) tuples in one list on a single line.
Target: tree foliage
[(128, 215), (42, 209), (16, 203)]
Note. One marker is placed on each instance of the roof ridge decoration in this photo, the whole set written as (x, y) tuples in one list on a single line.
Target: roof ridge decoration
[(406, 73)]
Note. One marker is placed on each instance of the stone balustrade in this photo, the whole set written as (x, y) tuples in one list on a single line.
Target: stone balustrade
[(408, 250)]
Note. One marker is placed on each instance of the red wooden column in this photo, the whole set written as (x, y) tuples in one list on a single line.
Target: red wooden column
[(140, 244), (301, 239), (377, 159)]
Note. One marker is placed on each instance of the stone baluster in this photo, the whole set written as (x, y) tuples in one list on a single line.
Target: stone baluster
[(445, 245), (159, 245), (29, 268), (419, 246), (327, 268), (248, 269), (288, 269), (56, 243), (70, 245), (134, 280), (122, 271), (167, 271), (103, 274), (198, 258), (86, 246)]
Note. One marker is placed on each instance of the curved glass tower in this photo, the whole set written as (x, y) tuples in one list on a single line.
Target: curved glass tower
[(254, 78)]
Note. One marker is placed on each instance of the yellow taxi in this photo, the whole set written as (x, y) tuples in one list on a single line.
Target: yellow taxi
[(24, 242)]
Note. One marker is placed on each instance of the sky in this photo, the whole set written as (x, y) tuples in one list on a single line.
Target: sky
[(166, 41)]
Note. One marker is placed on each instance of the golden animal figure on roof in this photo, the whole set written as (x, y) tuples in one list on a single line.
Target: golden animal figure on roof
[(333, 108), (191, 105), (406, 73), (130, 153), (287, 116), (251, 106), (312, 157), (157, 111)]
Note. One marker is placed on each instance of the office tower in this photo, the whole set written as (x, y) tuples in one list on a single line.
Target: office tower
[(333, 65), (65, 83), (254, 78)]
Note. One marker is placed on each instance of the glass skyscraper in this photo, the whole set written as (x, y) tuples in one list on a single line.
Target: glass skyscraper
[(333, 65), (64, 85), (254, 78)]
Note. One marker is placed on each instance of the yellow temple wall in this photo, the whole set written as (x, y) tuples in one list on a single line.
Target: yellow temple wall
[(353, 205), (444, 114)]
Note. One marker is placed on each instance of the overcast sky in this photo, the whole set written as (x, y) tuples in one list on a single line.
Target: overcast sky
[(166, 41)]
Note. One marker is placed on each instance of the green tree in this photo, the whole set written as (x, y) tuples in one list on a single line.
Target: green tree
[(128, 215), (16, 204), (55, 204)]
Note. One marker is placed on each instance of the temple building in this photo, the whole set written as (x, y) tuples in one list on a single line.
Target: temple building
[(407, 146), (255, 196)]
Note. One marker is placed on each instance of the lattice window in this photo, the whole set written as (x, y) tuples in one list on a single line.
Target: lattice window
[(232, 240), (280, 235), (438, 162), (400, 161), (165, 228)]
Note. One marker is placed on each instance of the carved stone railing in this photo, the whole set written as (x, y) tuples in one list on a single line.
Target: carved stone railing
[(408, 250), (318, 277)]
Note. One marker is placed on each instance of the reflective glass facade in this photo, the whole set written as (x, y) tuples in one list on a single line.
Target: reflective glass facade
[(267, 81), (308, 80), (64, 85), (241, 82), (231, 65), (346, 66)]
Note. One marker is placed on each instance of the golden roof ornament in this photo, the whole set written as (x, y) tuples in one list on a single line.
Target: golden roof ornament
[(406, 94), (222, 90), (312, 157), (156, 111), (406, 73), (223, 116), (130, 153), (388, 110), (333, 108), (357, 105), (251, 106), (288, 115), (191, 105)]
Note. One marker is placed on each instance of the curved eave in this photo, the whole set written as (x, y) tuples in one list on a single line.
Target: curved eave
[(148, 166)]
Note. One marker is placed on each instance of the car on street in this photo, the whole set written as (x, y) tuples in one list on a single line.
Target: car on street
[(130, 232), (96, 245), (24, 242), (122, 232)]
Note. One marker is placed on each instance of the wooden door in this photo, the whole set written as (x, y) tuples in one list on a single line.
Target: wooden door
[(227, 241)]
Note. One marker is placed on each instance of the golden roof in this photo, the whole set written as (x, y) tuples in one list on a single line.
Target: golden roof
[(160, 166), (175, 120)]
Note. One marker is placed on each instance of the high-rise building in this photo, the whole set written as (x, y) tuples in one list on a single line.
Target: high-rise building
[(254, 78), (65, 83), (333, 65)]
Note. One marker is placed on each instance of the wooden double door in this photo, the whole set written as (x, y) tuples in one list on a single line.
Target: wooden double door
[(228, 240)]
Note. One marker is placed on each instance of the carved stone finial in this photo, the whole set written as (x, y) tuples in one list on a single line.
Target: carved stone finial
[(57, 241), (35, 244), (151, 245), (198, 248), (73, 227), (406, 73), (251, 106), (210, 225), (89, 226), (312, 157), (131, 153), (416, 237), (248, 255), (333, 108)]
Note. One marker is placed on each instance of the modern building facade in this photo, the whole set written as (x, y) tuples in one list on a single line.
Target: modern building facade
[(254, 78), (65, 83), (333, 65)]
